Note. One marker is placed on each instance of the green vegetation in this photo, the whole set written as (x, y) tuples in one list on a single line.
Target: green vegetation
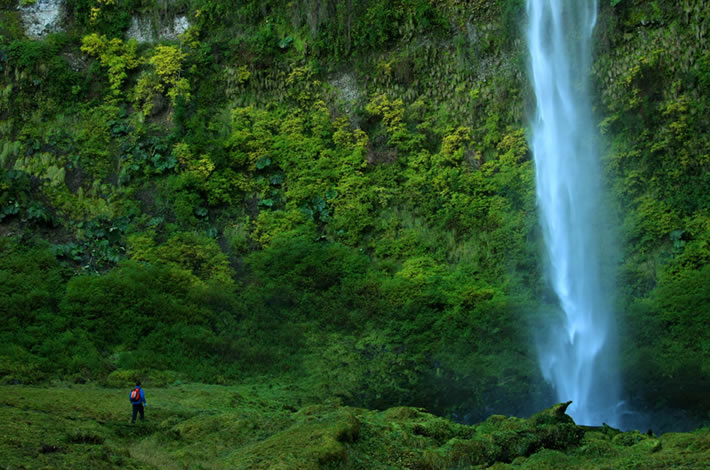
[(213, 211), (656, 110), (281, 427), (339, 195)]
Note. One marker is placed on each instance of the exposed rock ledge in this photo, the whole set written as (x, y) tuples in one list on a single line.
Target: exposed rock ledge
[(142, 29), (42, 18)]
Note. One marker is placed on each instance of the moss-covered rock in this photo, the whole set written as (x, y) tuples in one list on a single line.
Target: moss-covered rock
[(516, 437), (317, 439)]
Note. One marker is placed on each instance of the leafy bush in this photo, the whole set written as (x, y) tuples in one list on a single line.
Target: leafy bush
[(115, 55)]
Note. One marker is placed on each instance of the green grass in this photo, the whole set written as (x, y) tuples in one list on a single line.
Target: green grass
[(89, 427), (280, 426)]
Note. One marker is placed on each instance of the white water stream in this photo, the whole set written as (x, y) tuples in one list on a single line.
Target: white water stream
[(575, 352)]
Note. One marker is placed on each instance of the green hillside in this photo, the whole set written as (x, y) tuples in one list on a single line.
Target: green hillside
[(337, 195)]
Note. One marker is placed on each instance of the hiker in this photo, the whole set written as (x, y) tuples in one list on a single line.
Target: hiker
[(138, 401)]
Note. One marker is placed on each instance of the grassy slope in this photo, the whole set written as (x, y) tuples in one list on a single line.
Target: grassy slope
[(281, 427)]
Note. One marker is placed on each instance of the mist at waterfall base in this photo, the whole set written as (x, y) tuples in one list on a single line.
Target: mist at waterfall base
[(577, 349)]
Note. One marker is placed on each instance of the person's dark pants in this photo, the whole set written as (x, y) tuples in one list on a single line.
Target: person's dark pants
[(137, 409)]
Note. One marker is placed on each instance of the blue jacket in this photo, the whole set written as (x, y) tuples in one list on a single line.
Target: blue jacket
[(138, 402)]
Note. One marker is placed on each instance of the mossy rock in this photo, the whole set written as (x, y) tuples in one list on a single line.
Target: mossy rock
[(648, 445), (627, 439), (315, 440), (516, 437), (597, 444), (548, 459), (402, 412), (476, 451)]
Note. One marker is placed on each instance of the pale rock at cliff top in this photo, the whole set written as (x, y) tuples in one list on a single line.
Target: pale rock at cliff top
[(42, 18), (142, 29)]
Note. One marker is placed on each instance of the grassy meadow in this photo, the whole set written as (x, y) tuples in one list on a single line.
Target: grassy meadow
[(270, 426)]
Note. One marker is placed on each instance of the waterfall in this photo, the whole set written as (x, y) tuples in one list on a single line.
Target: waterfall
[(576, 349)]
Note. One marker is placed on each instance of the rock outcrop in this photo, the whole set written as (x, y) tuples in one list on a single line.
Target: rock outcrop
[(42, 18), (142, 29)]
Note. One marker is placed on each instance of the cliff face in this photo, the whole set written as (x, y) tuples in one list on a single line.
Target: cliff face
[(340, 191)]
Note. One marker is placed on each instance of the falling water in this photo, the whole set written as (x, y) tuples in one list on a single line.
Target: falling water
[(575, 352)]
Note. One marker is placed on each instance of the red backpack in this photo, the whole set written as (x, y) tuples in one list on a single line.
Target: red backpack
[(136, 394)]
